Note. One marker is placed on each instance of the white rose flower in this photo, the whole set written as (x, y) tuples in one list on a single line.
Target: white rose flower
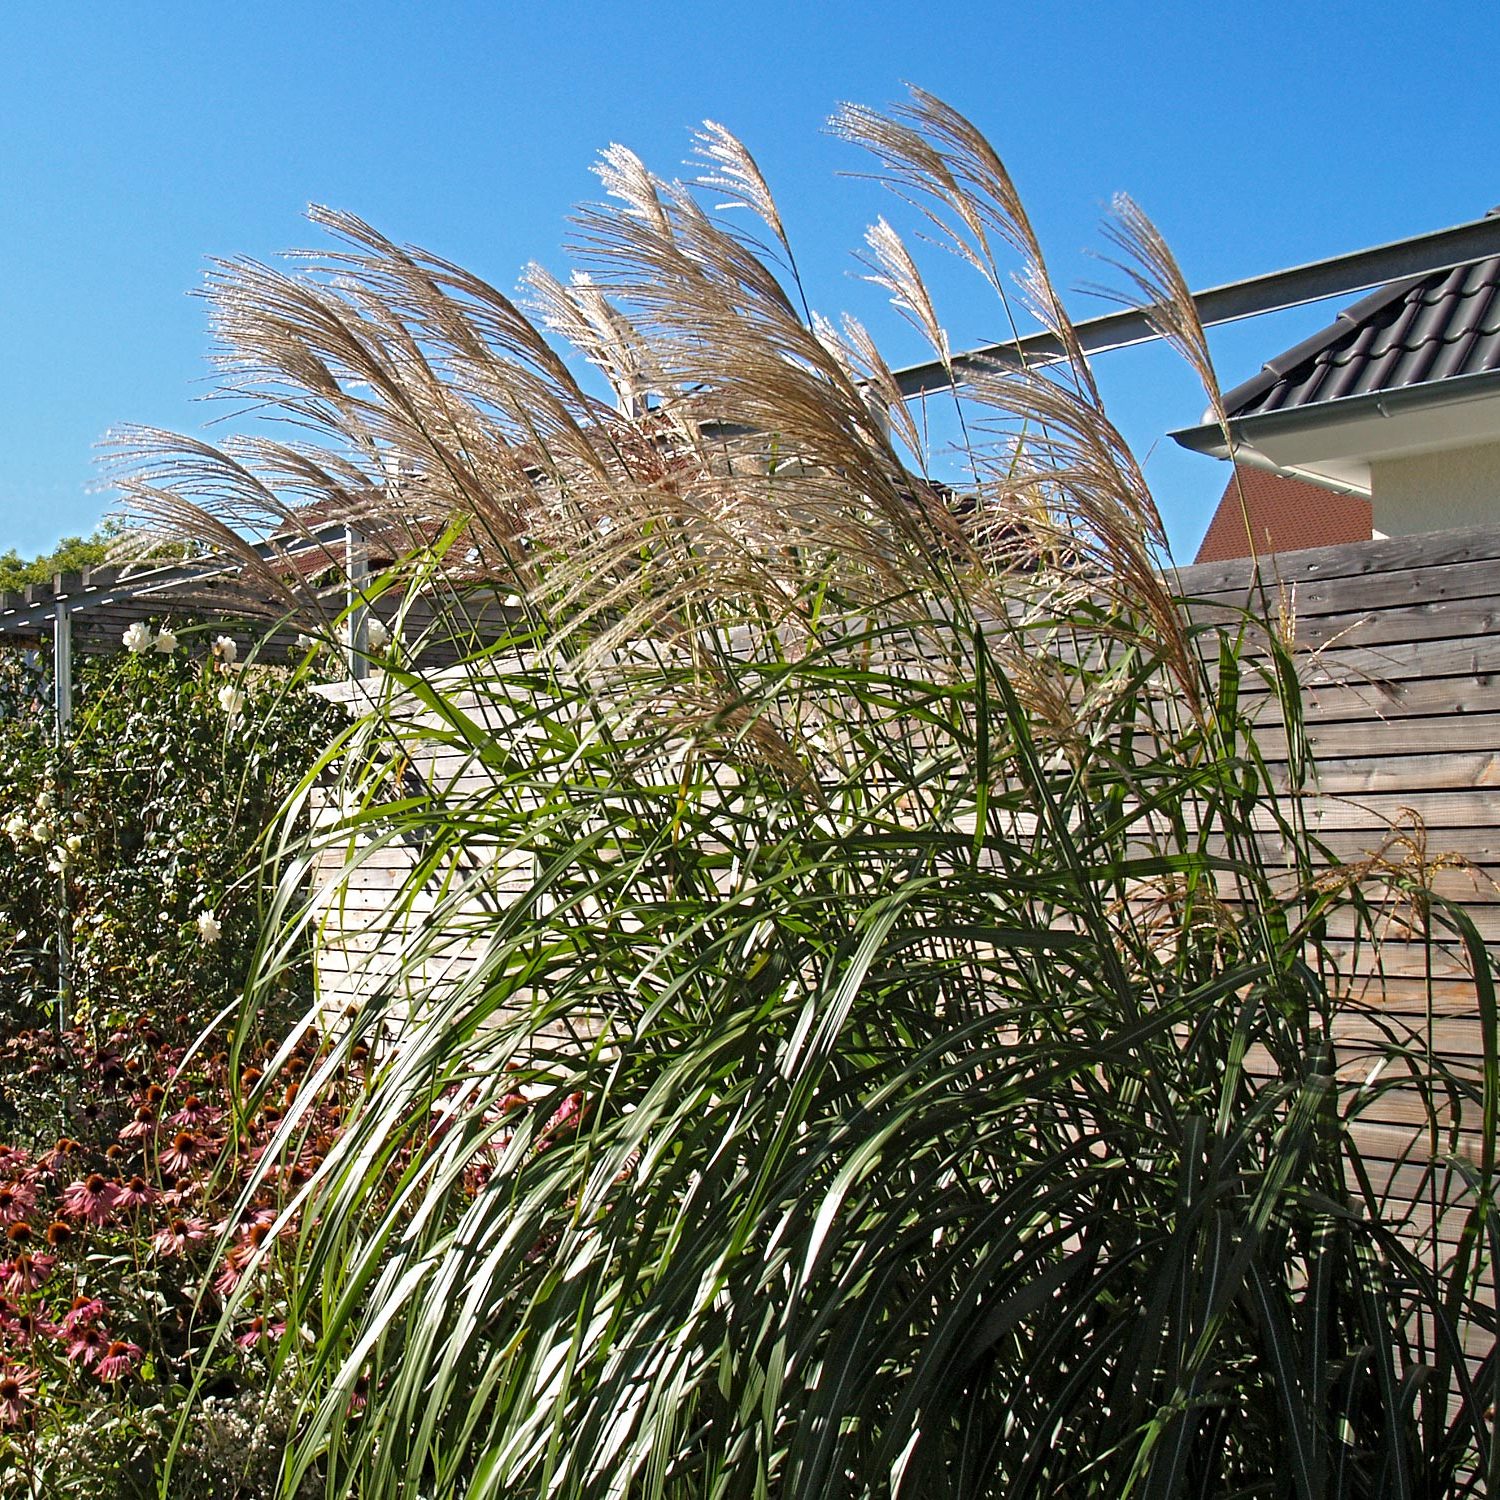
[(226, 650), (208, 927), (166, 641), (73, 843), (137, 639), (377, 634), (308, 643), (232, 701), (44, 800)]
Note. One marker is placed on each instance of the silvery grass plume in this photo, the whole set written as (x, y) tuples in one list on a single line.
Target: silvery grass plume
[(841, 1029)]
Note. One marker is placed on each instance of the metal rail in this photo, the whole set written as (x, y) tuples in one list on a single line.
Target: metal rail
[(1356, 271)]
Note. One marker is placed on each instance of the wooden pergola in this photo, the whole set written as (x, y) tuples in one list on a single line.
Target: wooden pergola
[(91, 611)]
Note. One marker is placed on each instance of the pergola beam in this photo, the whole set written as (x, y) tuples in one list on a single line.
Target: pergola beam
[(76, 592), (1275, 291)]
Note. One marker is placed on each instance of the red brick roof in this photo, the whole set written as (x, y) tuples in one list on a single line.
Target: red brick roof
[(1286, 515)]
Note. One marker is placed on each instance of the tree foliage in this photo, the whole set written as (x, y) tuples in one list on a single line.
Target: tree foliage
[(148, 817), (71, 555)]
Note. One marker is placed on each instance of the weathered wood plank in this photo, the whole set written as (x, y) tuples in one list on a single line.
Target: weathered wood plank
[(1347, 560), (1394, 592), (1376, 739)]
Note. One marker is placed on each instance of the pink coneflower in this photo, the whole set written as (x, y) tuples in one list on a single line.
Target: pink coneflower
[(196, 1113), (143, 1125), (137, 1193), (182, 1155), (17, 1200), (175, 1237), (26, 1272), (119, 1360), (13, 1160), (25, 1328), (359, 1397), (251, 1238), (565, 1118), (257, 1331), (85, 1310), (228, 1278), (296, 1175), (88, 1344), (183, 1190), (51, 1159), (260, 1217), (244, 1251), (567, 1114), (111, 1068), (17, 1387), (92, 1198)]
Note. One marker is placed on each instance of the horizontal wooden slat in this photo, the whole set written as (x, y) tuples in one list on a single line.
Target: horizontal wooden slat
[(1381, 739), (1365, 560)]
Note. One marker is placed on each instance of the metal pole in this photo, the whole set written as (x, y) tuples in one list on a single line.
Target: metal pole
[(62, 670), (357, 615), (62, 715)]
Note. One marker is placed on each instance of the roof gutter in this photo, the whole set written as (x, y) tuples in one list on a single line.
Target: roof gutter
[(1245, 431)]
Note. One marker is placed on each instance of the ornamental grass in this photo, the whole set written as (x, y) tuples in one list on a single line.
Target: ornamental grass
[(851, 1025)]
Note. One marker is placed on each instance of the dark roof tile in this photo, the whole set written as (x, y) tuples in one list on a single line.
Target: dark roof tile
[(1427, 328)]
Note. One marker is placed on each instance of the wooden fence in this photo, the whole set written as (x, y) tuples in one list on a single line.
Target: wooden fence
[(1399, 651), (1399, 655)]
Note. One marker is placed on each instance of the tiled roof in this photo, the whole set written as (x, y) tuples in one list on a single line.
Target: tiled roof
[(1286, 515), (1413, 332)]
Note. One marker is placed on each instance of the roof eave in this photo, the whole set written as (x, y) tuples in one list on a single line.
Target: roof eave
[(1244, 431)]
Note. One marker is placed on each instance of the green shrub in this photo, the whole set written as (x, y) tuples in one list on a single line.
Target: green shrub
[(144, 823), (127, 1140)]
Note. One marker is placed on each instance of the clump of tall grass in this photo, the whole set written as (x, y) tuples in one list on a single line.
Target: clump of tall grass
[(844, 1030)]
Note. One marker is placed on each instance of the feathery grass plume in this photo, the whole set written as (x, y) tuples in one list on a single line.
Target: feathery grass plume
[(841, 1028)]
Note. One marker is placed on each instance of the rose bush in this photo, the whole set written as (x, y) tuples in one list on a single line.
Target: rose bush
[(143, 823)]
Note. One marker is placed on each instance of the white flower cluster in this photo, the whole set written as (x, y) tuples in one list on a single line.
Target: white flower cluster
[(225, 650), (378, 635), (42, 824), (209, 930), (234, 1445), (139, 640)]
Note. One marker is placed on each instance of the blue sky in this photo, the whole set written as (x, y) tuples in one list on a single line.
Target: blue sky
[(138, 140)]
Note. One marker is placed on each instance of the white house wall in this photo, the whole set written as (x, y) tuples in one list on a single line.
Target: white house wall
[(1441, 491)]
